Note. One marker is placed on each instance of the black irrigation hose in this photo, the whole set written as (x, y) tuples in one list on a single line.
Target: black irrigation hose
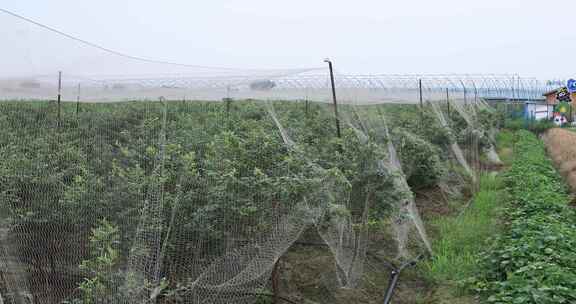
[(395, 276)]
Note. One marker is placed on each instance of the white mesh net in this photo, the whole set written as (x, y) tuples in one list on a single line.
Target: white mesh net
[(158, 182)]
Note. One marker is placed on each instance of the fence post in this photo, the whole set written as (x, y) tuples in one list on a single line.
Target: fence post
[(448, 102), (59, 96), (421, 102), (78, 102), (464, 91), (334, 97)]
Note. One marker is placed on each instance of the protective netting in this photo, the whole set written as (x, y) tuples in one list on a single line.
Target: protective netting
[(155, 182)]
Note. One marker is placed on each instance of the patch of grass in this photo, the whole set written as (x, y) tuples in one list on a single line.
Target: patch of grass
[(445, 295), (535, 126), (505, 144), (462, 237), (505, 139)]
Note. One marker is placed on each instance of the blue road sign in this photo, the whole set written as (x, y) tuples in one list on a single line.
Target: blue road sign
[(571, 85)]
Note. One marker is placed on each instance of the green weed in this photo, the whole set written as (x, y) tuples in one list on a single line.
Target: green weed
[(462, 237)]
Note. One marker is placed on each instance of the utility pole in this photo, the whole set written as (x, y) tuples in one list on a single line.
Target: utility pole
[(334, 97)]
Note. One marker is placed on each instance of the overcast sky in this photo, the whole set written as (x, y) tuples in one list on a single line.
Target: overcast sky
[(533, 38)]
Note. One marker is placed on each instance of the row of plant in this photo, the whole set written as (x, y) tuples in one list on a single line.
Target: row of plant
[(200, 175), (536, 126), (533, 260)]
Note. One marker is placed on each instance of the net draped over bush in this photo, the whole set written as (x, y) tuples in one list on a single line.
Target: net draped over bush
[(126, 180)]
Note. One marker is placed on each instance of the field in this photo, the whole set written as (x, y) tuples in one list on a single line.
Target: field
[(178, 157), (174, 200)]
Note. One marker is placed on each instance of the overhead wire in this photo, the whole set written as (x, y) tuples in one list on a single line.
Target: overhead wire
[(138, 58)]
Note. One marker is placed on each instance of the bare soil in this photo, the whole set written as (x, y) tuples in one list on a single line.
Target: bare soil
[(306, 271), (561, 146)]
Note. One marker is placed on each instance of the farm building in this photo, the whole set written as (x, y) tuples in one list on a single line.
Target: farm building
[(538, 111), (558, 95), (551, 97)]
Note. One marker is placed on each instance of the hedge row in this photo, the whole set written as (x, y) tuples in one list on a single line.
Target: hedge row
[(534, 261)]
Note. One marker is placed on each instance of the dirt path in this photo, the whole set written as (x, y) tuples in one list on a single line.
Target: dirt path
[(561, 146)]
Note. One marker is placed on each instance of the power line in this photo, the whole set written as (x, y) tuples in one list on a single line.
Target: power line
[(94, 45)]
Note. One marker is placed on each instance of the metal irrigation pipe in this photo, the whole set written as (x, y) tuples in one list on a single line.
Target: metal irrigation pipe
[(334, 97), (421, 105)]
